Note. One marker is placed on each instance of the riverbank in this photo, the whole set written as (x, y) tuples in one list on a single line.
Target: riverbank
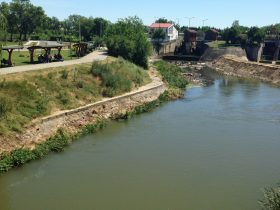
[(234, 66), (54, 132), (42, 128)]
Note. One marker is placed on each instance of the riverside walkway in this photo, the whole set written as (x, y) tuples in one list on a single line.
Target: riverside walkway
[(94, 56)]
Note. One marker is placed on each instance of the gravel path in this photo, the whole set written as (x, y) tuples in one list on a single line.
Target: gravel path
[(94, 56)]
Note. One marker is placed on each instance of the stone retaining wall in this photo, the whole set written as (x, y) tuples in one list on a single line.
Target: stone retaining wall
[(73, 120)]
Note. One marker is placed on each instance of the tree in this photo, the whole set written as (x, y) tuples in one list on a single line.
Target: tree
[(7, 19), (3, 23), (158, 34), (255, 34), (127, 39), (100, 26), (26, 16), (162, 20)]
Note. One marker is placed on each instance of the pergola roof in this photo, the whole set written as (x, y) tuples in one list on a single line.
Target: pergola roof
[(42, 44), (13, 47)]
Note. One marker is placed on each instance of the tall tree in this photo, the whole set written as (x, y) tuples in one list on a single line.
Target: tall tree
[(127, 39), (256, 34), (27, 16)]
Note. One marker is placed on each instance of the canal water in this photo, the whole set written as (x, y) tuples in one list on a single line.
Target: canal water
[(213, 150)]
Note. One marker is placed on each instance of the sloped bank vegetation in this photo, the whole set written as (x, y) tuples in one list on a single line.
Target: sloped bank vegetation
[(27, 96), (62, 139), (172, 75)]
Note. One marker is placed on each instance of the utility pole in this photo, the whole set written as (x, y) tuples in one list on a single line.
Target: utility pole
[(189, 18), (178, 21), (203, 21)]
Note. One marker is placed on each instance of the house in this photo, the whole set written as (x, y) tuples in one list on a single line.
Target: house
[(211, 35), (190, 35), (190, 40), (171, 32)]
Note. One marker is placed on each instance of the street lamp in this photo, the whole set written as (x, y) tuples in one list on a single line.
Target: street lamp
[(178, 21), (203, 21), (189, 18)]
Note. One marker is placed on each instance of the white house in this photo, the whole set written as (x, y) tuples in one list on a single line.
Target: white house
[(169, 29)]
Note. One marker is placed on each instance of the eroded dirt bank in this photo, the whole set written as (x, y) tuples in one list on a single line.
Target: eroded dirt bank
[(235, 66)]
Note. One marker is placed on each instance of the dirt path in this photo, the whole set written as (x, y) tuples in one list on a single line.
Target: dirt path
[(94, 56)]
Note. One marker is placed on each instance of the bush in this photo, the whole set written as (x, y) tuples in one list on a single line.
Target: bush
[(171, 74), (271, 198), (119, 76)]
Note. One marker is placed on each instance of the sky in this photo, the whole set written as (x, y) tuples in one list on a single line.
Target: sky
[(220, 13)]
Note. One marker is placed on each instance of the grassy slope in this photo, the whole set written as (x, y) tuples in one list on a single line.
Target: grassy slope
[(170, 73), (26, 96)]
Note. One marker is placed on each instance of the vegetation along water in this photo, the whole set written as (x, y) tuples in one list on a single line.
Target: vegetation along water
[(218, 144)]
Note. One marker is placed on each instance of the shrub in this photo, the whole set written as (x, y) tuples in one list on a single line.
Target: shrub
[(171, 74), (119, 76), (271, 199)]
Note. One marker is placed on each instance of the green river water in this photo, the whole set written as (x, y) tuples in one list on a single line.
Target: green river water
[(213, 150)]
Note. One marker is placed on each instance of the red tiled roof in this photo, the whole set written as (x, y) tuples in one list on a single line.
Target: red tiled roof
[(161, 25)]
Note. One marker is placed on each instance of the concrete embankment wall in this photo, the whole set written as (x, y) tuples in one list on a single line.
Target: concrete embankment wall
[(212, 54), (73, 120), (237, 67)]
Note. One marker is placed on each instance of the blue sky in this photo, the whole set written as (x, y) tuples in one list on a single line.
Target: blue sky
[(220, 13)]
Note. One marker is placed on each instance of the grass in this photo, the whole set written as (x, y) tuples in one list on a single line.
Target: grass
[(119, 76), (27, 96), (147, 107), (217, 44), (173, 76), (20, 58)]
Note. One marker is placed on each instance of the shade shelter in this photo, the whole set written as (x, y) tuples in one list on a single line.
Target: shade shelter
[(81, 48), (47, 46), (10, 50)]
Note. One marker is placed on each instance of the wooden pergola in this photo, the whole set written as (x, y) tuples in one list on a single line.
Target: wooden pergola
[(81, 49), (10, 50), (47, 46)]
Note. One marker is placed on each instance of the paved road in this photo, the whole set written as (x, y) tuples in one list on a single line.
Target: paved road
[(94, 56)]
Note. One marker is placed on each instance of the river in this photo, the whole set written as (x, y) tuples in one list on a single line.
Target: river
[(213, 150)]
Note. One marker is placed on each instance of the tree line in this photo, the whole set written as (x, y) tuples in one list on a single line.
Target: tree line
[(238, 34), (20, 20)]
